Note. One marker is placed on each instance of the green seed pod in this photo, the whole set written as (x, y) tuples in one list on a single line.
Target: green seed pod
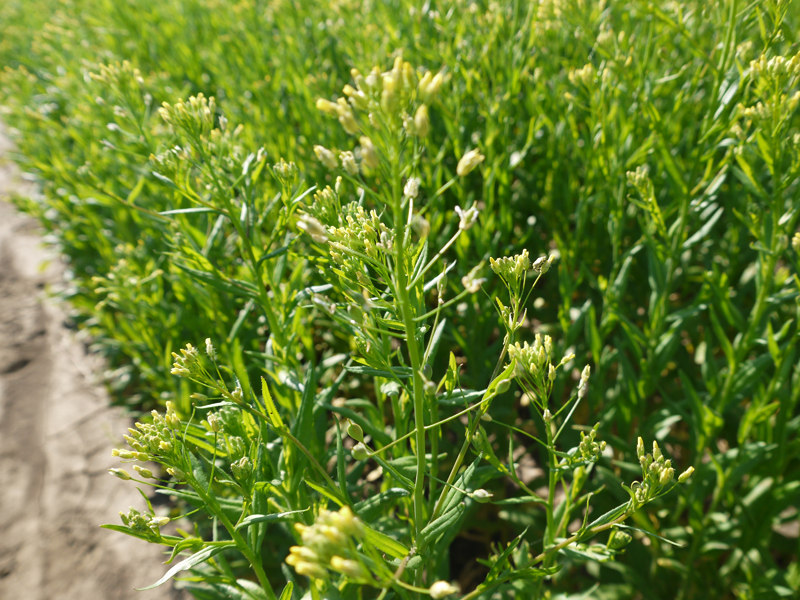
[(618, 539), (503, 385), (359, 451), (354, 431), (482, 496)]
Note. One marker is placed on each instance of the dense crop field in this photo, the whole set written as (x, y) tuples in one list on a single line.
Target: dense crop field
[(343, 209)]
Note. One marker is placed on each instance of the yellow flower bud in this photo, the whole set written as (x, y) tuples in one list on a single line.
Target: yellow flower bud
[(421, 121), (368, 153), (468, 162), (685, 475), (326, 157), (442, 589), (327, 107)]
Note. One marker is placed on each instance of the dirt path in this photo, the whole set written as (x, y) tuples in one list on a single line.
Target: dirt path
[(56, 435)]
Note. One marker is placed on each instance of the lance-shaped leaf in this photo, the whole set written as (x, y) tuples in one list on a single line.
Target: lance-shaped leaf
[(192, 561)]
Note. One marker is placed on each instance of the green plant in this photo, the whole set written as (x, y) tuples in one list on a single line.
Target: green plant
[(379, 270), (650, 146)]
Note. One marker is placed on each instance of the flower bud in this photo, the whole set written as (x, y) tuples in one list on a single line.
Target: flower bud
[(422, 122), (349, 163), (368, 153), (311, 570), (547, 416), (441, 284), (158, 521), (313, 228), (214, 423), (351, 568), (242, 468), (177, 473), (503, 385), (212, 354), (429, 87), (328, 107), (359, 451), (389, 93), (482, 496), (145, 473), (347, 120), (357, 98), (197, 396), (640, 448), (442, 589), (354, 431), (656, 451), (683, 478), (411, 188), (326, 157), (666, 476), (121, 473), (468, 162)]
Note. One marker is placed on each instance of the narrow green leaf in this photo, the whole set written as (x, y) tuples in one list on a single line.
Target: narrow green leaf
[(286, 594), (651, 534), (192, 561), (385, 544), (272, 411), (284, 516)]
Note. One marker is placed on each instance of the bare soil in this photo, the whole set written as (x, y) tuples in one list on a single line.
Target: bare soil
[(57, 430)]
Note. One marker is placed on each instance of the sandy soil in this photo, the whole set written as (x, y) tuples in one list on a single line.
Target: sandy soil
[(56, 435)]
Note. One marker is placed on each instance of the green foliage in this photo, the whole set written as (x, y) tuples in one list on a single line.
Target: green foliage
[(651, 147)]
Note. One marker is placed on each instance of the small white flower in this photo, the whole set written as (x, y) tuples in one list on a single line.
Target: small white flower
[(467, 217), (442, 589), (313, 227), (411, 188), (349, 163)]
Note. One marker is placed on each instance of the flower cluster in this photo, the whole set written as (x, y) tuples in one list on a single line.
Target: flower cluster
[(362, 231), (776, 71), (512, 270), (657, 472), (187, 363), (590, 449), (535, 369), (195, 116), (379, 100), (330, 544), (152, 439), (142, 523)]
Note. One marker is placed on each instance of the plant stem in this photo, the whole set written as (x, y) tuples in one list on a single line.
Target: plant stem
[(407, 313)]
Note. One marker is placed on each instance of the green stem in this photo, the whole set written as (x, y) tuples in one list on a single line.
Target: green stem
[(407, 313), (240, 542)]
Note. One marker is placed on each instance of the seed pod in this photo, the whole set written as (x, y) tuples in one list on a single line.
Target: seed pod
[(618, 539), (359, 451), (482, 496), (354, 431)]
